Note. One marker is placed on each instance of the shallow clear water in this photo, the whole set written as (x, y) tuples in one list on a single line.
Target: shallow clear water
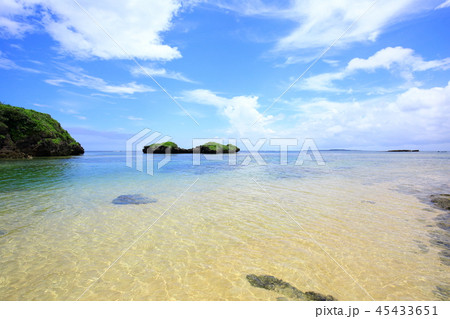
[(359, 227)]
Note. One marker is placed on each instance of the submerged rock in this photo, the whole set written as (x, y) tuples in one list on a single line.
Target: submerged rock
[(282, 299), (440, 237), (135, 199), (441, 201), (443, 222), (2, 232), (282, 287), (443, 292), (445, 257)]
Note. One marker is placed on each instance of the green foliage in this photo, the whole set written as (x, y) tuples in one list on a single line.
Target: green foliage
[(213, 146), (170, 144), (166, 144), (23, 123), (34, 133)]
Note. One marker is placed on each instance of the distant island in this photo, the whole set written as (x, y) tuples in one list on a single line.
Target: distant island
[(26, 133), (207, 148), (403, 150), (338, 150)]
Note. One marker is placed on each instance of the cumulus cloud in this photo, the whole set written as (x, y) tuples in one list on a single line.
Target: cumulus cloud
[(135, 25), (428, 101), (414, 117), (398, 56), (420, 116), (400, 59), (77, 77), (241, 111)]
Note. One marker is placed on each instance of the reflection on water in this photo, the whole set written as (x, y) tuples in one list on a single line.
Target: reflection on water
[(59, 229)]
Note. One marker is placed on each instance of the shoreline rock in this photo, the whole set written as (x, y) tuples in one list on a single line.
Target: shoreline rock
[(441, 200)]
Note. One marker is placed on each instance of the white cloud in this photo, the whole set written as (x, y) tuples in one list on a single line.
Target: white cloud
[(250, 7), (319, 23), (10, 28), (431, 101), (241, 111), (135, 25), (69, 111), (16, 46), (420, 116), (159, 72), (414, 117), (11, 18), (205, 97), (331, 62), (77, 77), (41, 105), (403, 60), (8, 64), (398, 56), (322, 82), (445, 4), (133, 118)]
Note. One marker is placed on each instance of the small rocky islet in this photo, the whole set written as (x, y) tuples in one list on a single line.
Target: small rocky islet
[(207, 148), (285, 288), (26, 133)]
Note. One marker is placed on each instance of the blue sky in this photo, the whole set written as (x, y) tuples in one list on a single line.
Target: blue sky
[(383, 84)]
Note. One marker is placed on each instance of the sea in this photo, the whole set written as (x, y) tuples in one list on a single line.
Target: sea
[(360, 226)]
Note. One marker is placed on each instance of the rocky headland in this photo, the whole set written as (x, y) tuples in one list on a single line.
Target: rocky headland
[(26, 133)]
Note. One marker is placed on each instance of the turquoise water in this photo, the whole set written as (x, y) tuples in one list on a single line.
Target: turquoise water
[(215, 223)]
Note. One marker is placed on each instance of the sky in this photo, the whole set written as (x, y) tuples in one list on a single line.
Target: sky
[(354, 74)]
